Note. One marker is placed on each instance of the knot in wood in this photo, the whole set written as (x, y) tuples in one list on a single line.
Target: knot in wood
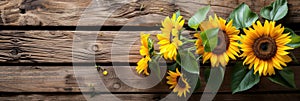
[(14, 53), (116, 85), (96, 47)]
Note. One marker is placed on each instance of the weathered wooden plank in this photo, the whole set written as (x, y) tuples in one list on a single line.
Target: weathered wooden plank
[(149, 97), (63, 79), (224, 7), (69, 46), (57, 47), (118, 12), (68, 13)]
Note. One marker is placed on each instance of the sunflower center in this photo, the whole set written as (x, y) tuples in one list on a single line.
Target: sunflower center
[(180, 82), (264, 48), (223, 43)]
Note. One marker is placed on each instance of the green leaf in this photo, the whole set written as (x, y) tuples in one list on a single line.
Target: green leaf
[(276, 11), (284, 77), (295, 37), (242, 79), (151, 46), (242, 16), (172, 67), (154, 66), (295, 43), (188, 62), (196, 19), (210, 39), (177, 14)]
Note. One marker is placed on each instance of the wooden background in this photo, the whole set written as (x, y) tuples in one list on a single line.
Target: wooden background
[(36, 47)]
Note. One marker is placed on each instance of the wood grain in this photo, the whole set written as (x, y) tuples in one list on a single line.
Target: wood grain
[(52, 49), (224, 7), (63, 79), (56, 47), (73, 47), (118, 12), (148, 97)]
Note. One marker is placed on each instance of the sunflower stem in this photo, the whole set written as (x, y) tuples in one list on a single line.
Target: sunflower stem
[(192, 48), (158, 57), (188, 41), (184, 38), (198, 58)]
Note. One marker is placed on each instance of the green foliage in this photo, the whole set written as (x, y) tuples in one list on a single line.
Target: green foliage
[(177, 14), (188, 61), (150, 46), (172, 67), (154, 66), (210, 39), (242, 79), (284, 77), (198, 17), (276, 11), (242, 16), (295, 43)]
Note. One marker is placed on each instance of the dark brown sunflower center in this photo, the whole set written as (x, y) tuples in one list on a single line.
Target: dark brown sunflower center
[(264, 47), (180, 82), (223, 43)]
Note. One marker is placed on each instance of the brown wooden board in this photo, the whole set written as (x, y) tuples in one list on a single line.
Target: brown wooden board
[(119, 12), (149, 97), (35, 65), (56, 47), (63, 79), (70, 46)]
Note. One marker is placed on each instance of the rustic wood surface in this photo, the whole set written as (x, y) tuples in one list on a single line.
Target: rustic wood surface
[(56, 46), (62, 79), (149, 97), (118, 12), (37, 65)]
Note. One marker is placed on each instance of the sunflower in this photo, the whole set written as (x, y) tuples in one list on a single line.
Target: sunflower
[(169, 39), (198, 44), (264, 47), (177, 81), (143, 66), (145, 51), (227, 46)]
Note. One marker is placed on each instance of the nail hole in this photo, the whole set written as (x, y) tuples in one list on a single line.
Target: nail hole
[(95, 48), (22, 11)]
